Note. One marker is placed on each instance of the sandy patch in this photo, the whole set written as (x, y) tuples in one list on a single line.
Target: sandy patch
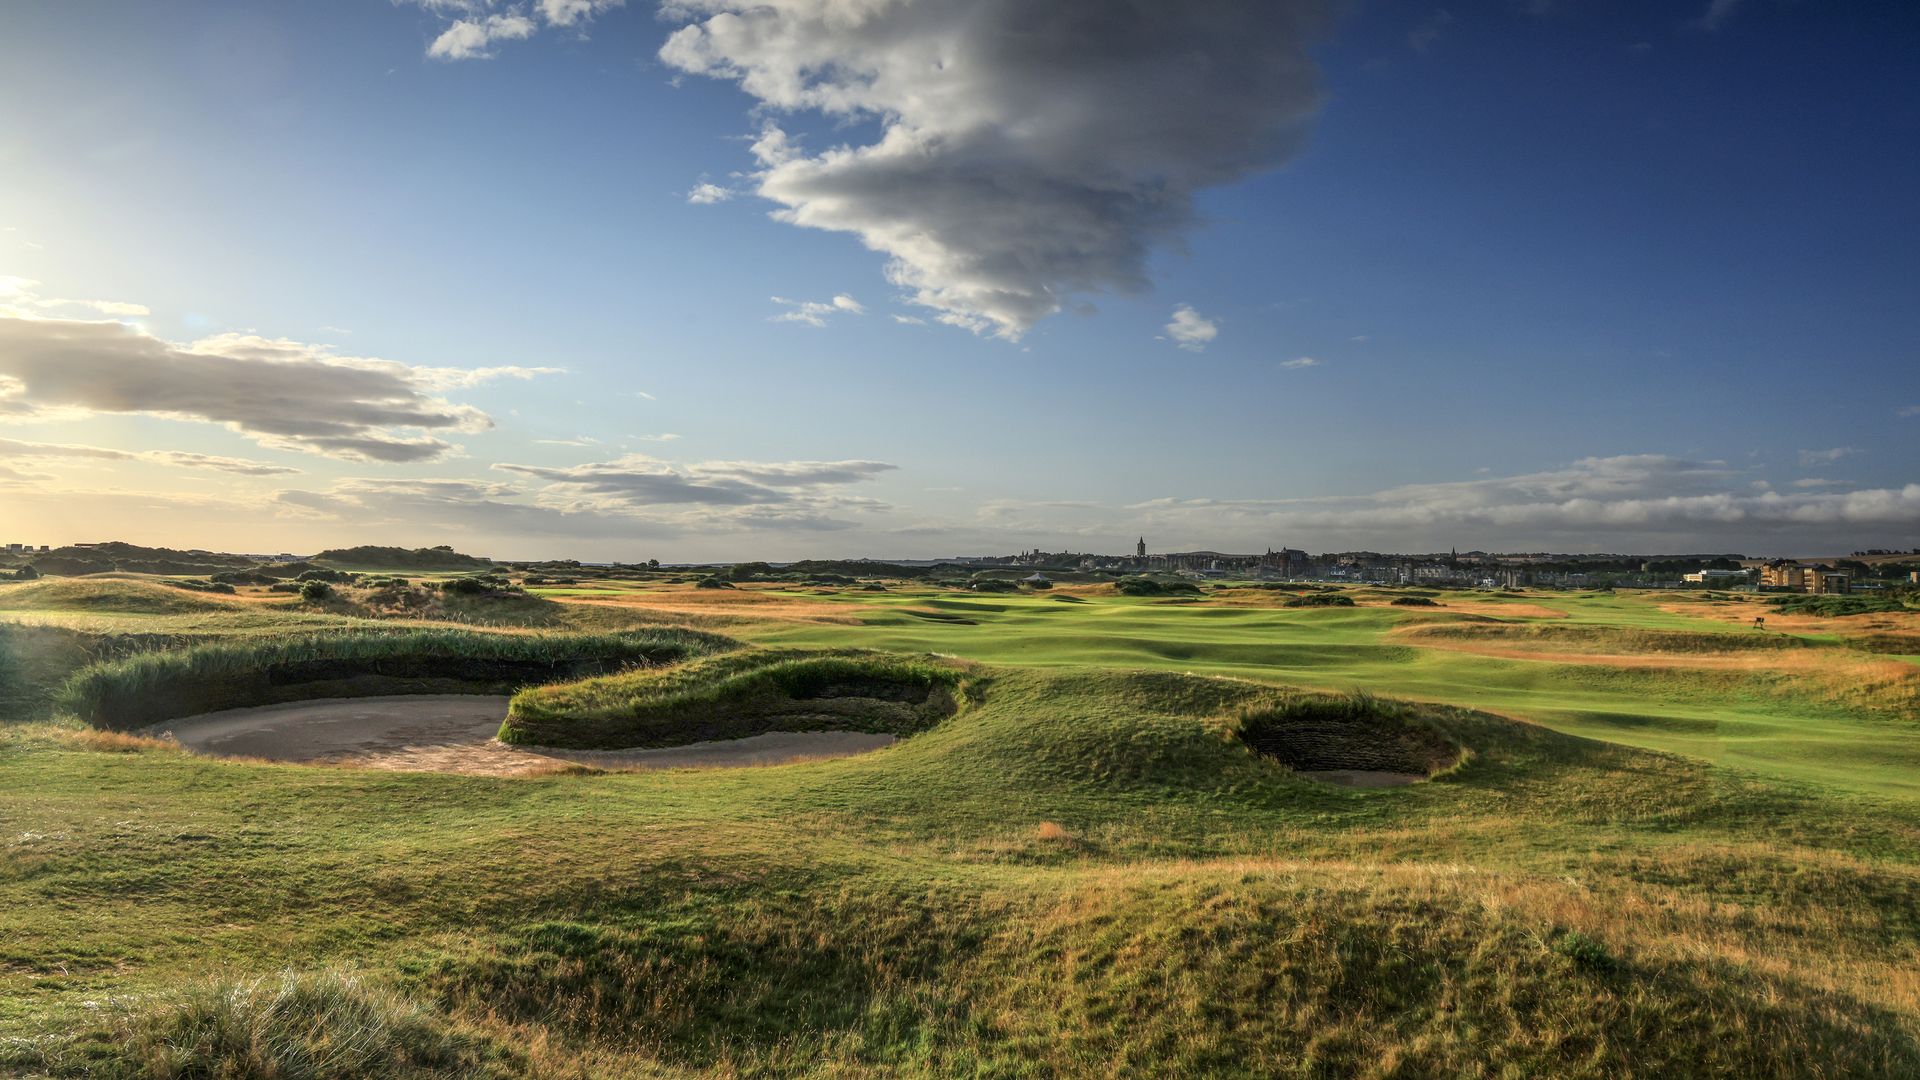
[(455, 733)]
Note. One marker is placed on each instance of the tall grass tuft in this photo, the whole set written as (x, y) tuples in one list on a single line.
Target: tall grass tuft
[(329, 1026)]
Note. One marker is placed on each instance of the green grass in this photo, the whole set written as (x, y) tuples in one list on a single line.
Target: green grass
[(1854, 731), (1092, 868)]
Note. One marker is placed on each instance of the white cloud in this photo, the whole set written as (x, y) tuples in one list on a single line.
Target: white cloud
[(1716, 15), (706, 194), (20, 296), (644, 395), (284, 394), (1026, 152), (1908, 411), (32, 451), (1422, 36), (815, 312), (1191, 330), (909, 320), (574, 12), (1300, 362), (1614, 503), (1826, 457), (471, 39)]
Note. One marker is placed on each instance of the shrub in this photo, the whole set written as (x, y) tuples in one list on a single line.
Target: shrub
[(994, 585), (338, 577), (1324, 600), (1413, 601), (711, 582), (240, 577), (1144, 586), (284, 587), (26, 573), (480, 585), (314, 592)]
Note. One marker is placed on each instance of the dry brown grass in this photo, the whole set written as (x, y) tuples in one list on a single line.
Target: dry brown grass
[(1052, 832), (117, 742)]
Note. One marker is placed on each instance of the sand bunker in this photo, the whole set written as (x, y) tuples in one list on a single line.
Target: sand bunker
[(455, 733)]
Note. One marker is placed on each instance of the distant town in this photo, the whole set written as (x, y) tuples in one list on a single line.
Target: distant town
[(1861, 571)]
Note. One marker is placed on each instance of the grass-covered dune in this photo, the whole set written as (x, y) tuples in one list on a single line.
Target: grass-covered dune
[(149, 688), (736, 696)]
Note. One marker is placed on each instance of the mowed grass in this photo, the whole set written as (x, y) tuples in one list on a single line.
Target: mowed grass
[(1842, 718), (1084, 871)]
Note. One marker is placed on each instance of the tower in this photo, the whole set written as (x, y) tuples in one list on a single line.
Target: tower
[(1140, 549)]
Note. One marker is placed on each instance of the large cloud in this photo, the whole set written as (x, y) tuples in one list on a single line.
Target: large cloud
[(1026, 151), (281, 393), (637, 484)]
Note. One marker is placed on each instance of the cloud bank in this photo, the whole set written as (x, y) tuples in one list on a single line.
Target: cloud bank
[(1024, 153), (280, 393)]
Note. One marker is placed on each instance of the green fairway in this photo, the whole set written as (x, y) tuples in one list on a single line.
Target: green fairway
[(1746, 719)]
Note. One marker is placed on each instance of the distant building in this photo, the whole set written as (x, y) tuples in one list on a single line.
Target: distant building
[(1805, 577), (1140, 549), (1716, 577)]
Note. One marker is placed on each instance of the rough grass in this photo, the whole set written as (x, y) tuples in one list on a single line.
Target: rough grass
[(735, 696), (329, 1026), (149, 688)]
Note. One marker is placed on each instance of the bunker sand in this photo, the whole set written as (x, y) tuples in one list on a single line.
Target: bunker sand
[(455, 733)]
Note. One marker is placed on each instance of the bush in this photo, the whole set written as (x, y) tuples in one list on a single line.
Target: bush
[(283, 587), (711, 582), (480, 585), (1327, 600), (240, 577), (314, 592), (26, 573), (1413, 601), (1144, 586), (994, 585), (338, 577)]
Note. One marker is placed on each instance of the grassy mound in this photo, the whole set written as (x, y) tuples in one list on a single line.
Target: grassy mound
[(287, 1027), (736, 696), (1357, 731), (153, 687), (120, 595)]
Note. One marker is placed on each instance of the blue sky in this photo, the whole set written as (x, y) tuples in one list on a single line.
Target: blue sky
[(1517, 275)]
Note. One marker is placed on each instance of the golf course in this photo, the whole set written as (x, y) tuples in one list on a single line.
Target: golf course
[(658, 824)]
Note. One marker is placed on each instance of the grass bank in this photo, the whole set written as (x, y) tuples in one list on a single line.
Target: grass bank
[(736, 696), (150, 688)]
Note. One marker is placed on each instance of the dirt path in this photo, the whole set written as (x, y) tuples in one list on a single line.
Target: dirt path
[(455, 733)]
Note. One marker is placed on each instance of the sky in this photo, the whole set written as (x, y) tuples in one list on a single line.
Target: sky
[(707, 280)]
